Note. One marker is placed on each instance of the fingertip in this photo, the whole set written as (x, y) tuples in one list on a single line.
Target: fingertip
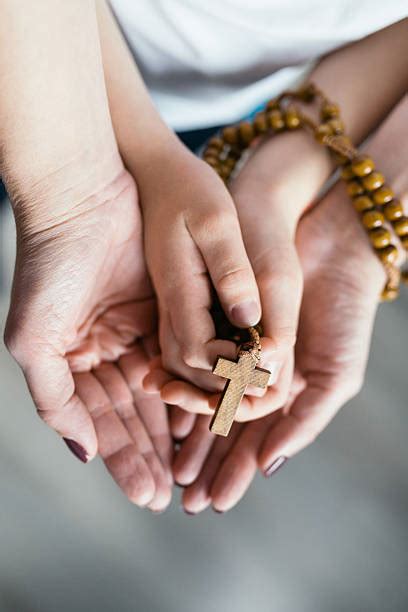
[(246, 313), (149, 383)]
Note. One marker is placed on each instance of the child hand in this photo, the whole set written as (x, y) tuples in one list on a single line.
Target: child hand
[(193, 241), (271, 192)]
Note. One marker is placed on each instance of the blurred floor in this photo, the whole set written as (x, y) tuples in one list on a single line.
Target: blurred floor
[(327, 534)]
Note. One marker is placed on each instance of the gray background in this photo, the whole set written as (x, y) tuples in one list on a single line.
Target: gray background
[(328, 533)]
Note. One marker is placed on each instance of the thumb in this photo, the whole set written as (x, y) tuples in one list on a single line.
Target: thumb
[(220, 242), (52, 387)]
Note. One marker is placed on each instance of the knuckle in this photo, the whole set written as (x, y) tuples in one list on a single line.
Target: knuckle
[(288, 279), (233, 278), (285, 337), (191, 356)]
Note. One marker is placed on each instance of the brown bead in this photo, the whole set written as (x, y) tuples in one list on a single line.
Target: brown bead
[(404, 242), (380, 237), (347, 172), (404, 277), (230, 134), (224, 172), (229, 163), (337, 126), (307, 92), (362, 203), (211, 152), (373, 181), (212, 161), (372, 219), (393, 210), (216, 143), (292, 119), (261, 123), (401, 226), (276, 120), (389, 294), (272, 105), (383, 195), (330, 111), (246, 132), (388, 254), (362, 166), (322, 131), (354, 188)]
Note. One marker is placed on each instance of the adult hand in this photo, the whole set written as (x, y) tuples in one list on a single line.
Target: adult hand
[(81, 325), (342, 282)]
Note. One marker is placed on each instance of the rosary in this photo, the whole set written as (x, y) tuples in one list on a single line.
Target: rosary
[(381, 214)]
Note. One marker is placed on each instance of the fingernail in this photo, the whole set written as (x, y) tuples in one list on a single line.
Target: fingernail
[(274, 467), (246, 313), (274, 369), (76, 449), (187, 511)]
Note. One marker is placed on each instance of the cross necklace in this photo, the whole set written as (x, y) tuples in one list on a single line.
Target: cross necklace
[(240, 374)]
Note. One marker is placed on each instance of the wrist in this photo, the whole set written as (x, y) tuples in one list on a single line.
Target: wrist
[(65, 193)]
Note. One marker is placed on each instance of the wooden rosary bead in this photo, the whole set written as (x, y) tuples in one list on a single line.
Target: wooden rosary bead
[(389, 294), (216, 143), (362, 203), (373, 181), (347, 172), (393, 210), (354, 188), (307, 93), (388, 254), (224, 172), (211, 152), (246, 132), (230, 163), (383, 195), (322, 131), (276, 120), (401, 226), (362, 166), (380, 237), (272, 105), (261, 123), (337, 126), (330, 111), (292, 119), (212, 161), (372, 219), (230, 135)]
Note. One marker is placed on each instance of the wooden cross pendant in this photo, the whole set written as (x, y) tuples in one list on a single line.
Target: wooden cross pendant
[(240, 374)]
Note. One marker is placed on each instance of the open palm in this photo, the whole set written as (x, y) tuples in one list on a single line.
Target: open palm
[(83, 335)]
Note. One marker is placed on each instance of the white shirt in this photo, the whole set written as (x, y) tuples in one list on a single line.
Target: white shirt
[(208, 62)]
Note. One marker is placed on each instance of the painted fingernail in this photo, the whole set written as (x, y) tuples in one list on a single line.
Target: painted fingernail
[(274, 369), (76, 449), (274, 467), (246, 313)]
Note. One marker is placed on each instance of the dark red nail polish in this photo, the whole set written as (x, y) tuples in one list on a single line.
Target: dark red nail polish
[(274, 467), (76, 449)]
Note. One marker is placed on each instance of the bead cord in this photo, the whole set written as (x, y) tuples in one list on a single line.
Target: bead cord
[(380, 212)]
